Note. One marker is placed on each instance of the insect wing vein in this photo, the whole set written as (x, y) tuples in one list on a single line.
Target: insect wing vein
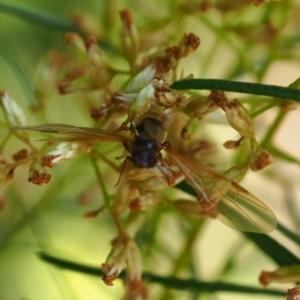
[(74, 133), (236, 207), (241, 210)]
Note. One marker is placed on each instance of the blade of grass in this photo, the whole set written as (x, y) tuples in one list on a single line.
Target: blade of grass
[(288, 233), (238, 87), (171, 282), (39, 17), (281, 255)]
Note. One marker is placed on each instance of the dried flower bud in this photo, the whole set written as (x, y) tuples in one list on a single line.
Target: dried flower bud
[(9, 176), (129, 37), (97, 113), (6, 172), (141, 104), (233, 144), (87, 24), (239, 119), (20, 155), (260, 159), (164, 96), (188, 44), (281, 275), (70, 86), (136, 290), (94, 213), (66, 151), (288, 105), (169, 59), (199, 107), (12, 110), (47, 160), (124, 251), (115, 263), (119, 98), (98, 67), (38, 174), (75, 40), (293, 294)]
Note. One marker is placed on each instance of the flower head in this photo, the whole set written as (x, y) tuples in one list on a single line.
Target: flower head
[(124, 252), (239, 119), (66, 151), (260, 159), (282, 275), (12, 110), (199, 107), (129, 36), (38, 174)]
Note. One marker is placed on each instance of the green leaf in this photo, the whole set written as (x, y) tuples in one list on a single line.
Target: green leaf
[(39, 17), (281, 255), (170, 282), (238, 87)]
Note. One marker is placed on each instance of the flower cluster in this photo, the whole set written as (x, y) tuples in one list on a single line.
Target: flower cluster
[(121, 109)]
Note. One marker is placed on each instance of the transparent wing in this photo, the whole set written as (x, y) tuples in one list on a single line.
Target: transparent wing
[(224, 198), (77, 133)]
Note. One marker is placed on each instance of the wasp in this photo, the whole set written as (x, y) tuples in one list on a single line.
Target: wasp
[(218, 195)]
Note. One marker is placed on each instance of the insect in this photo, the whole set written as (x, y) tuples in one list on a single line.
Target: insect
[(218, 195), (146, 144)]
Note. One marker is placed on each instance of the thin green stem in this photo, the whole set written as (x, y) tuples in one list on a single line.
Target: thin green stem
[(101, 182), (122, 233), (4, 141), (238, 87), (279, 153), (269, 135), (192, 285), (262, 110)]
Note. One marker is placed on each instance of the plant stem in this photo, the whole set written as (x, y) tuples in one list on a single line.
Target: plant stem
[(262, 110), (269, 135), (238, 87)]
